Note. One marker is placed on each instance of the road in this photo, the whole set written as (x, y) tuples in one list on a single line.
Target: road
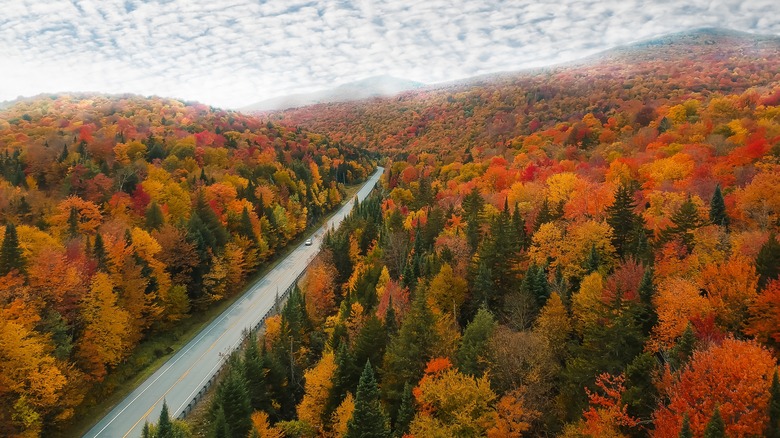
[(186, 375)]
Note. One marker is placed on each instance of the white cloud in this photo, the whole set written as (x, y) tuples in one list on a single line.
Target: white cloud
[(232, 53)]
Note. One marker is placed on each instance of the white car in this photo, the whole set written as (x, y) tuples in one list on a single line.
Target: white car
[(308, 242)]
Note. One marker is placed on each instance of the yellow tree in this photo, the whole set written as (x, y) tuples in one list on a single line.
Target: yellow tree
[(452, 404), (104, 341), (447, 291), (319, 381)]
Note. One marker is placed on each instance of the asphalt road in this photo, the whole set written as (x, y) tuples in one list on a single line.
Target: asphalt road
[(189, 372)]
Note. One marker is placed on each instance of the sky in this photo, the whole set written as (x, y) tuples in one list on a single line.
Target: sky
[(233, 53)]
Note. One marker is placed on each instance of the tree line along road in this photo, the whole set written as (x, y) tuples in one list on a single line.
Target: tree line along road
[(186, 376)]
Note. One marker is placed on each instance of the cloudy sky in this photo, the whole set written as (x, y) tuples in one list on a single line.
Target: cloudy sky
[(233, 53)]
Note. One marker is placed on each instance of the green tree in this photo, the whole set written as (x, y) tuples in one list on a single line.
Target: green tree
[(474, 343), (718, 215), (219, 427), (684, 222), (164, 426), (233, 399), (99, 252), (773, 426), (370, 343), (410, 351), (369, 419), (685, 430), (254, 374), (768, 261), (406, 412), (626, 224), (154, 216), (10, 252), (245, 227), (715, 427)]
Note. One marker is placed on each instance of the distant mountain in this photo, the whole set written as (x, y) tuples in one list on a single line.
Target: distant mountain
[(499, 108), (377, 86)]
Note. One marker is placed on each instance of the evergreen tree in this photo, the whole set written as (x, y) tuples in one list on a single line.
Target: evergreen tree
[(164, 425), (99, 252), (10, 253), (245, 227), (544, 215), (685, 431), (145, 432), (219, 427), (154, 216), (648, 316), (73, 222), (370, 343), (234, 401), (624, 221), (518, 223), (773, 427), (718, 215), (406, 412), (344, 379), (683, 351), (369, 419), (768, 261), (473, 345), (63, 154), (715, 427), (684, 222), (408, 352), (391, 321), (255, 376)]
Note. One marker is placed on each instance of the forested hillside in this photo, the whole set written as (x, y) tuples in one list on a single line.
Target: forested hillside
[(123, 216), (587, 250)]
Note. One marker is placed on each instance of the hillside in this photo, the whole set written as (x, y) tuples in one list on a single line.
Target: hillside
[(494, 111), (123, 216), (587, 250)]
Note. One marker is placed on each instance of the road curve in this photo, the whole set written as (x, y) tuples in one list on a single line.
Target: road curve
[(187, 374)]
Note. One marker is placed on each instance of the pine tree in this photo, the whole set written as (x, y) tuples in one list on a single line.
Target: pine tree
[(684, 222), (146, 432), (164, 426), (73, 222), (154, 216), (773, 426), (718, 215), (683, 351), (648, 317), (10, 253), (99, 252), (624, 221), (391, 321), (370, 343), (219, 427), (233, 398), (255, 375), (245, 227), (405, 413), (474, 343), (685, 430), (369, 419), (408, 352), (343, 379), (715, 427), (768, 261)]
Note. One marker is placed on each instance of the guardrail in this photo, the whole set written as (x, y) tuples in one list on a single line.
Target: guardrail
[(211, 377)]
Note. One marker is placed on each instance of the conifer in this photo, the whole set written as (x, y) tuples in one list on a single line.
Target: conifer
[(369, 419)]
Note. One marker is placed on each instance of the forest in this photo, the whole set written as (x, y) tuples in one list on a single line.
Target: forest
[(122, 217), (589, 250)]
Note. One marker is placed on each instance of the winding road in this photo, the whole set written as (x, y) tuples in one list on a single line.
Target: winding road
[(184, 378)]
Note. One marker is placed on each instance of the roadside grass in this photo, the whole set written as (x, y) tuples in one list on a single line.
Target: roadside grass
[(153, 352)]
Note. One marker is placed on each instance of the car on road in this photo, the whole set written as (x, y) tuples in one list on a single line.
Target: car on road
[(308, 242)]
